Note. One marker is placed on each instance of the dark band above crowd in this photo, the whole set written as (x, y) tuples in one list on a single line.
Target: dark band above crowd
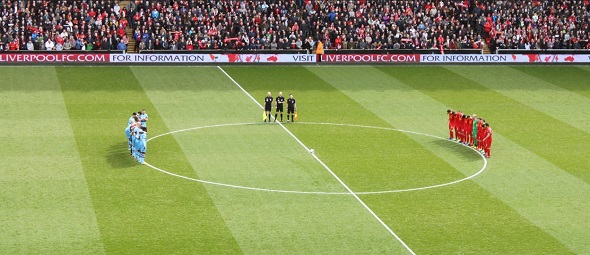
[(293, 24)]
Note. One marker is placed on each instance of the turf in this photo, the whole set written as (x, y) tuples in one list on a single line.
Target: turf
[(68, 184), (260, 156)]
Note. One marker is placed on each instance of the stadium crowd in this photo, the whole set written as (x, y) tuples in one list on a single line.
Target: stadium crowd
[(62, 25), (294, 24)]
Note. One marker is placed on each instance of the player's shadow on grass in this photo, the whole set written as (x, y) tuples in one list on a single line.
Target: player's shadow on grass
[(119, 157), (458, 149)]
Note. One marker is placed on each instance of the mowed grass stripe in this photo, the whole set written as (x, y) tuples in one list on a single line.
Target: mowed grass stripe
[(572, 78), (585, 68), (538, 132), (261, 156), (345, 149), (517, 176), (139, 211), (202, 96), (552, 100), (364, 159), (444, 216), (45, 206)]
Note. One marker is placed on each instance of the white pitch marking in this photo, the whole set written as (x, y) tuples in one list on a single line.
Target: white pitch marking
[(195, 128), (485, 161), (317, 192), (244, 187), (327, 168)]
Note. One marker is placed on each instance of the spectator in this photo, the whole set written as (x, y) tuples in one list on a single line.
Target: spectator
[(49, 45), (68, 44), (258, 24), (122, 46), (30, 46), (59, 47), (13, 45), (105, 44), (189, 45)]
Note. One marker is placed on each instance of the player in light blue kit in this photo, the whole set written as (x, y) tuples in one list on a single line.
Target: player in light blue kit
[(143, 117), (131, 119), (142, 145), (135, 141), (128, 133)]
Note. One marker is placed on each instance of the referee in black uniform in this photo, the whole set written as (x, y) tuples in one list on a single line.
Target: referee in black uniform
[(291, 107), (280, 100), (268, 105)]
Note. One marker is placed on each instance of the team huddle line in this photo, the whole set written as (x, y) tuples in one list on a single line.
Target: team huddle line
[(471, 131), (136, 133)]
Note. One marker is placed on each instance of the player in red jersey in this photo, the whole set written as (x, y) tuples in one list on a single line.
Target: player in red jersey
[(487, 139), (464, 122), (482, 135), (479, 136), (451, 115), (458, 122)]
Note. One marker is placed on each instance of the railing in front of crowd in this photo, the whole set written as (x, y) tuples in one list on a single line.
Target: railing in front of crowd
[(64, 51), (548, 51), (406, 51), (326, 51)]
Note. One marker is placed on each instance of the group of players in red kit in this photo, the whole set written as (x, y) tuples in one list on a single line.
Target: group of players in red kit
[(471, 131)]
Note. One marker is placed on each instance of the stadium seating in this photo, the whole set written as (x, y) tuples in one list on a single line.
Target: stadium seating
[(293, 24)]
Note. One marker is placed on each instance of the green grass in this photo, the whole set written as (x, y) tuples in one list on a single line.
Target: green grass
[(68, 185)]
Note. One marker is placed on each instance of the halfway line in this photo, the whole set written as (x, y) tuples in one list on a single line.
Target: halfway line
[(326, 167)]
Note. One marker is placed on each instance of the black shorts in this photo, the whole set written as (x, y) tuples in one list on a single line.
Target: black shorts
[(279, 107), (268, 108), (290, 110)]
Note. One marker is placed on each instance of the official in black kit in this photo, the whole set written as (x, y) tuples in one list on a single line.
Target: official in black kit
[(291, 107), (280, 100), (268, 105)]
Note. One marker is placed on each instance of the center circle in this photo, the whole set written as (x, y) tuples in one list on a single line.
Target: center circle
[(316, 192)]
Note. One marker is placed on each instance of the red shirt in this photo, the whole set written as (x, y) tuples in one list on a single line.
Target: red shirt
[(121, 31), (451, 119), (338, 42), (59, 39), (488, 131), (13, 45), (123, 22), (458, 120), (480, 129)]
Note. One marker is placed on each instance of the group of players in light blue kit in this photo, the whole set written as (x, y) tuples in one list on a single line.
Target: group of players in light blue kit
[(136, 133)]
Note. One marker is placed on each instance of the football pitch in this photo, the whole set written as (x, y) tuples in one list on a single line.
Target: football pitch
[(382, 179)]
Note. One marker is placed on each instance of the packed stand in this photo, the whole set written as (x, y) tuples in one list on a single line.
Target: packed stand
[(299, 24), (536, 24), (63, 25)]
